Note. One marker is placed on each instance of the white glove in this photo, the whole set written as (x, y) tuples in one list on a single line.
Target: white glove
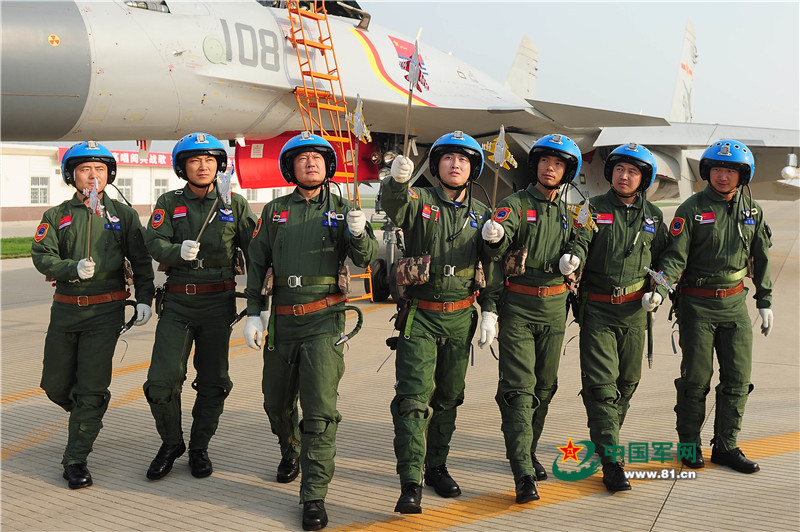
[(568, 263), (253, 331), (143, 314), (189, 249), (402, 168), (265, 319), (651, 300), (766, 320), (493, 232), (356, 221), (85, 268), (488, 329)]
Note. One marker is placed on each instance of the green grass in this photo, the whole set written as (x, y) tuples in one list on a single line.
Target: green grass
[(19, 246)]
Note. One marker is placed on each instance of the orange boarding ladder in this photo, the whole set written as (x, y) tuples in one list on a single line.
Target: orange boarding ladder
[(323, 110)]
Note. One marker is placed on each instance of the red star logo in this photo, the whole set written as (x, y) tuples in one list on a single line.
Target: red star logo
[(570, 451)]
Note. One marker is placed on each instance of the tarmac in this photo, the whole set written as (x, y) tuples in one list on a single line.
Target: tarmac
[(242, 493)]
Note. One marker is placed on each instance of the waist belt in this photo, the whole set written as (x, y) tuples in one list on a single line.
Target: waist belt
[(719, 293), (616, 300), (205, 288), (84, 301), (308, 308), (735, 276), (541, 291), (450, 306), (296, 281)]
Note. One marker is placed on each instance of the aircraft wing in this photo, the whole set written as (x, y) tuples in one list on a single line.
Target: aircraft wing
[(698, 135), (573, 116)]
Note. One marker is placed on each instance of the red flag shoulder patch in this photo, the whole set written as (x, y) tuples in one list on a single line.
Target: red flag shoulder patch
[(280, 217), (179, 212), (706, 218), (427, 211), (605, 218), (157, 219), (530, 215), (676, 227), (41, 232), (66, 221), (258, 227), (501, 214)]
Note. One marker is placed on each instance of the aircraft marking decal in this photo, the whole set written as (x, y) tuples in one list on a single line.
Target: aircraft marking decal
[(380, 72)]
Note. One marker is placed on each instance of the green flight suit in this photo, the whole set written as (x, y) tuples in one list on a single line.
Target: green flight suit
[(200, 318), (80, 341), (613, 334), (305, 248), (433, 351), (707, 248), (531, 326)]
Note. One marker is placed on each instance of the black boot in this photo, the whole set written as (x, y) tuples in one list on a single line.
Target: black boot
[(441, 481), (162, 463), (614, 477), (697, 463), (314, 515), (410, 501), (541, 474), (200, 463), (288, 470), (77, 476), (526, 490), (734, 459)]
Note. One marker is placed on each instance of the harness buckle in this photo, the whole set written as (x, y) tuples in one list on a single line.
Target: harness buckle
[(449, 270), (197, 264), (547, 267), (295, 281)]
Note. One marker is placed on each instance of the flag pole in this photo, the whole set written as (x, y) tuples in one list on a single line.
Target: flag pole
[(412, 81)]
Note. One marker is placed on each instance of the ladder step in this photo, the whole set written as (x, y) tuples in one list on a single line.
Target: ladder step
[(347, 175), (311, 92), (308, 14), (327, 107), (320, 75), (334, 138), (314, 44)]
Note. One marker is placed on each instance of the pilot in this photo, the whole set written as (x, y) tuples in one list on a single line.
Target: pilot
[(630, 235), (718, 237), (437, 320), (532, 318), (89, 302), (298, 252), (198, 303)]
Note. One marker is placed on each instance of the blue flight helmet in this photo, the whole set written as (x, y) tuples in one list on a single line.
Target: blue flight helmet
[(457, 142), (728, 154), (638, 156), (85, 152), (198, 144), (306, 141), (560, 146)]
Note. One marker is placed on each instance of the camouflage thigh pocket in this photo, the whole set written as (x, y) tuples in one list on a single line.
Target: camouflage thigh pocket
[(514, 262), (413, 270)]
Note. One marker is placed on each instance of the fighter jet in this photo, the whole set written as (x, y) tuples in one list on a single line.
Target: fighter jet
[(133, 69)]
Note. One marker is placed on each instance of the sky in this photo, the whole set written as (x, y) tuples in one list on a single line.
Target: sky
[(625, 56)]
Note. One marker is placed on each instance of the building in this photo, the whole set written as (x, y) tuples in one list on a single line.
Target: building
[(31, 181)]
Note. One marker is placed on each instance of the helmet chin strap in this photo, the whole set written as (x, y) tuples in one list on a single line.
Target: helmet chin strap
[(721, 193), (550, 187), (306, 187), (621, 195), (458, 189)]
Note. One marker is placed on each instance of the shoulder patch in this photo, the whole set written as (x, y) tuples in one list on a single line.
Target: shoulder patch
[(66, 221), (676, 227), (605, 218), (41, 232), (157, 219), (706, 218), (258, 227), (179, 212), (501, 214), (413, 193)]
